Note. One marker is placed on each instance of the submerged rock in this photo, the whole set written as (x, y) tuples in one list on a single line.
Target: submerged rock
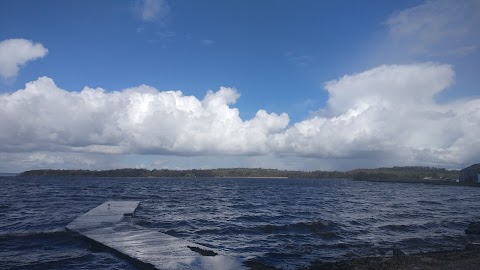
[(398, 252), (472, 246), (466, 260), (473, 228)]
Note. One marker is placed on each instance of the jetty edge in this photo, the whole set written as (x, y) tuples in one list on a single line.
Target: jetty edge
[(108, 225)]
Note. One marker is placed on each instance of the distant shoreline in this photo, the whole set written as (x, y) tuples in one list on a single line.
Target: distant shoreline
[(416, 173), (261, 177), (409, 175)]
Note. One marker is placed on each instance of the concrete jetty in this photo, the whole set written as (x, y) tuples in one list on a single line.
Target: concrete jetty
[(106, 225)]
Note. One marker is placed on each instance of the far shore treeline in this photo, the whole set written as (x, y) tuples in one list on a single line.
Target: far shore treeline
[(396, 173)]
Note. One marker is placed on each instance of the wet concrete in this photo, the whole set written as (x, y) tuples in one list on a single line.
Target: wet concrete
[(106, 225)]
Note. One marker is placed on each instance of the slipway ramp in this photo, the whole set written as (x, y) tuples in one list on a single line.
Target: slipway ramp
[(108, 226)]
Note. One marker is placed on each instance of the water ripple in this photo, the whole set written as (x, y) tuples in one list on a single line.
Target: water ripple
[(285, 223)]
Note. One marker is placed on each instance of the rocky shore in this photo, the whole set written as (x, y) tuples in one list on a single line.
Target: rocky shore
[(445, 260), (466, 260)]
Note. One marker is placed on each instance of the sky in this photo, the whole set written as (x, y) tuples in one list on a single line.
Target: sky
[(298, 85)]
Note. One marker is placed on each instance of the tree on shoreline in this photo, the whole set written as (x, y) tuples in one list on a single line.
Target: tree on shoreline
[(394, 173)]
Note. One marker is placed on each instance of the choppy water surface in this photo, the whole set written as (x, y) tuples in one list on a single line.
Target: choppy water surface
[(286, 223)]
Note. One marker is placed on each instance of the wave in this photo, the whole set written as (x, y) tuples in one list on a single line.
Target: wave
[(50, 262), (36, 235), (429, 202), (282, 255), (408, 228), (319, 227), (41, 250), (228, 230), (176, 233), (142, 222)]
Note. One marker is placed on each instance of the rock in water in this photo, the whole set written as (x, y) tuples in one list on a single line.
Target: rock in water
[(472, 246), (473, 228), (398, 252)]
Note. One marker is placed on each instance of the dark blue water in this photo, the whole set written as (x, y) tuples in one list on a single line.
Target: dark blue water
[(285, 223)]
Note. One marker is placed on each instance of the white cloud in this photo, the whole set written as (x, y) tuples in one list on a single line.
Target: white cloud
[(383, 116), (390, 112), (153, 10), (15, 53), (43, 117), (437, 27), (389, 84)]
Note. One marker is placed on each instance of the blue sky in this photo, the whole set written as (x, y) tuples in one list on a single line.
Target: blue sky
[(260, 48), (275, 56)]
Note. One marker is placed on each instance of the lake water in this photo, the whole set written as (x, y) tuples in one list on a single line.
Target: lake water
[(286, 223)]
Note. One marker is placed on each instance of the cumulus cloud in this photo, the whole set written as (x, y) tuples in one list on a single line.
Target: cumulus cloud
[(43, 117), (390, 112), (437, 27), (152, 10), (384, 116), (15, 53)]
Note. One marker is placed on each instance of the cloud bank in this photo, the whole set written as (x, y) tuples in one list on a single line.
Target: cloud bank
[(136, 120), (15, 53), (385, 113), (390, 112)]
